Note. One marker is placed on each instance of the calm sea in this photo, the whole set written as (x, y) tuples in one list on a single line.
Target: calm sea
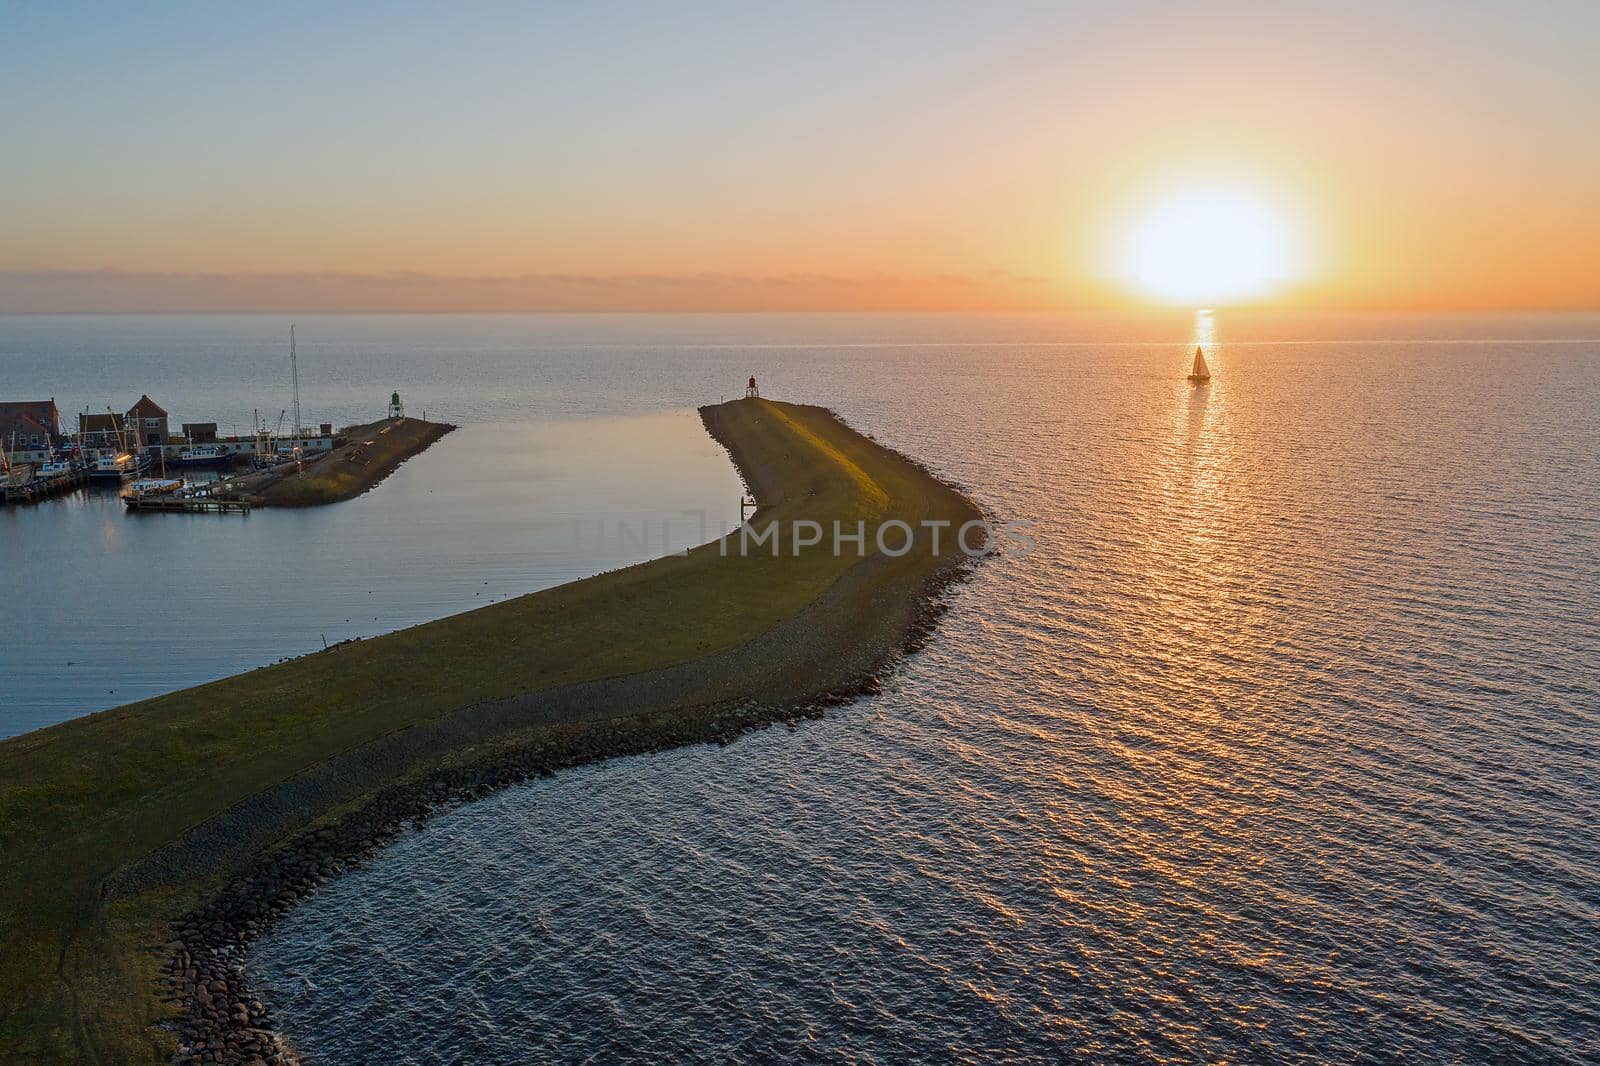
[(1283, 744)]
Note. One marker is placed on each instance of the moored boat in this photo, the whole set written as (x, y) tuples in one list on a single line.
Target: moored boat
[(118, 467), (152, 486), (203, 455)]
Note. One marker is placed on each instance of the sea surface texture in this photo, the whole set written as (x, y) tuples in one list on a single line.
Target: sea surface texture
[(1281, 744)]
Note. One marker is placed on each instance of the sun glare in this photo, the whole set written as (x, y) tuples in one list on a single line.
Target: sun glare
[(1208, 245)]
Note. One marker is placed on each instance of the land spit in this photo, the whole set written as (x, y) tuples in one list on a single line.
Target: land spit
[(148, 846), (365, 456)]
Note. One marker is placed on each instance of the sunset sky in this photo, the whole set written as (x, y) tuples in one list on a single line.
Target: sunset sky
[(752, 155)]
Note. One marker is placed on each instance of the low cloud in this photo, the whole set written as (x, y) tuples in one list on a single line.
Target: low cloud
[(126, 291)]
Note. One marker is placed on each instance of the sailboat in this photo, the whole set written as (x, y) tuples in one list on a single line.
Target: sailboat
[(1201, 374)]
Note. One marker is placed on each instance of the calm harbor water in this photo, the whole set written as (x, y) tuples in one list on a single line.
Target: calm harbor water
[(118, 607), (1283, 744), (553, 476)]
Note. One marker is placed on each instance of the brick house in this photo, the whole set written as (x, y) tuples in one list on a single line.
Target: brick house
[(149, 421), (145, 425), (28, 425), (102, 432)]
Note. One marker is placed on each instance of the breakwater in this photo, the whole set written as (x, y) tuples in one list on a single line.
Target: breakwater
[(210, 810), (361, 457)]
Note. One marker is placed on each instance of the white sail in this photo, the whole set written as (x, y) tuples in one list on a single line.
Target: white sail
[(1200, 372)]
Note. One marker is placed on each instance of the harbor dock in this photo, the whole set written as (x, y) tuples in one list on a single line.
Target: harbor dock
[(20, 486), (361, 457), (177, 503)]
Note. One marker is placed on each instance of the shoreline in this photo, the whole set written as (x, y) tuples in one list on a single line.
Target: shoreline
[(831, 638), (213, 942)]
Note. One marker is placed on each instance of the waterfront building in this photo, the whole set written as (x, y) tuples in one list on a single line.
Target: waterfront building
[(149, 420), (30, 425)]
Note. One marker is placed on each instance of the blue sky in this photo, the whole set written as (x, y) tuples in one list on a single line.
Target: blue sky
[(761, 139)]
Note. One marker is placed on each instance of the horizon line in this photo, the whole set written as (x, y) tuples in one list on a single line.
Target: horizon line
[(119, 291)]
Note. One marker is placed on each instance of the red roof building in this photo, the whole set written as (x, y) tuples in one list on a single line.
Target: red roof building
[(145, 424), (27, 424)]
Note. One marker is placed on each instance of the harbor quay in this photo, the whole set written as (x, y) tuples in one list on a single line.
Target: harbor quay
[(34, 431), (138, 449)]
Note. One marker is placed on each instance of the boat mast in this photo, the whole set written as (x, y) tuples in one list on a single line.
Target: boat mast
[(117, 428), (294, 374)]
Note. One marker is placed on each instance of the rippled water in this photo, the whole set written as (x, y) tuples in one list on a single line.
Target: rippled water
[(1284, 744)]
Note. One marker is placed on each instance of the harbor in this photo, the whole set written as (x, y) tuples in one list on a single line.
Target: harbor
[(480, 517), (194, 470)]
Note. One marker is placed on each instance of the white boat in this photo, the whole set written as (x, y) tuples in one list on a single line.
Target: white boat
[(54, 468), (204, 455), (119, 466), (153, 486), (1201, 374)]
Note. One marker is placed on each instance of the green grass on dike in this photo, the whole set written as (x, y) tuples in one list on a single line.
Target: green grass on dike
[(80, 978)]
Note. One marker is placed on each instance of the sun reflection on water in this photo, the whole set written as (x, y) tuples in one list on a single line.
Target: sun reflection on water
[(1241, 764)]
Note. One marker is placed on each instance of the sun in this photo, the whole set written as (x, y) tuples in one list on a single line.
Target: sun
[(1201, 245)]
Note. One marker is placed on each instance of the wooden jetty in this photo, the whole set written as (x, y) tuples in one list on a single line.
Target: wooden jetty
[(171, 503)]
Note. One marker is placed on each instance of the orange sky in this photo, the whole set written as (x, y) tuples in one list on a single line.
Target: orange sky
[(724, 157)]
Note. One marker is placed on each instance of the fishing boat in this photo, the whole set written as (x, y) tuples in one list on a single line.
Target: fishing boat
[(203, 455), (31, 482), (1201, 374), (119, 467)]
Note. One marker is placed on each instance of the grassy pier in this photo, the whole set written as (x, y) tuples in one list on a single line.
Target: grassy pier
[(367, 455), (141, 847)]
